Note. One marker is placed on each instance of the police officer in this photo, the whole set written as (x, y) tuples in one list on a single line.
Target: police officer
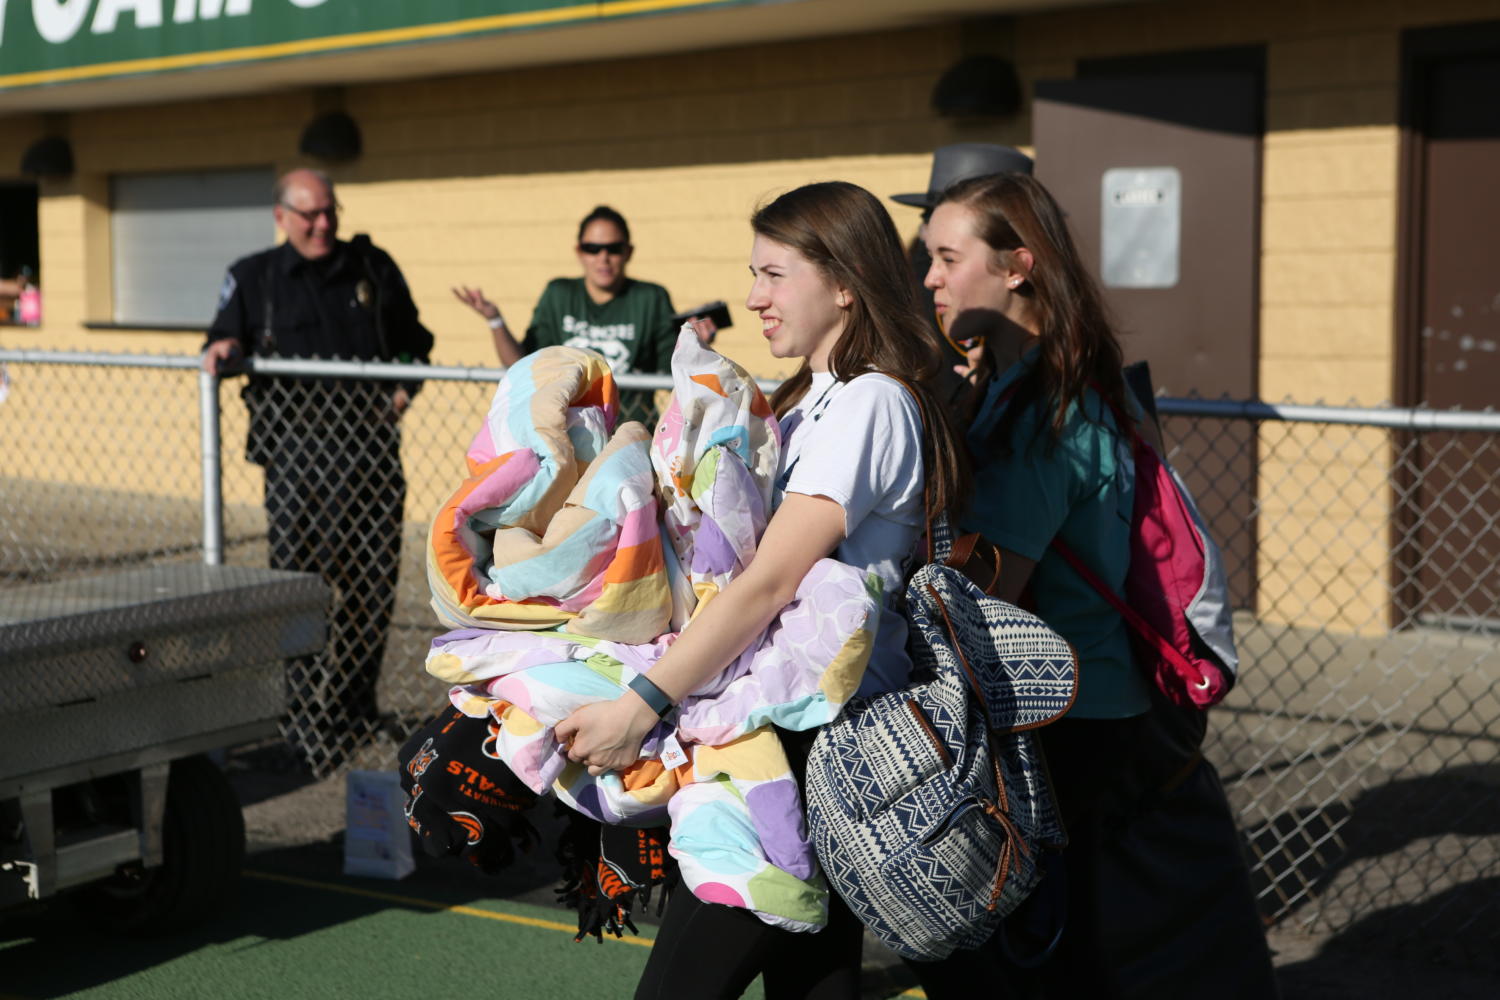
[(334, 488)]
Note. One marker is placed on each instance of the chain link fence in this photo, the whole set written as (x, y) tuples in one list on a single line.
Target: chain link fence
[(1359, 748)]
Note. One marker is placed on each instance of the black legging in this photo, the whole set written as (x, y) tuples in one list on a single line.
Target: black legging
[(710, 950)]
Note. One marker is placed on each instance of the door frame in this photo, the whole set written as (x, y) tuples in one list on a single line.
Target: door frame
[(1421, 48)]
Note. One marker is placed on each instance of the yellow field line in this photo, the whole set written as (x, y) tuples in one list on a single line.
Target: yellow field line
[(468, 911), (356, 40)]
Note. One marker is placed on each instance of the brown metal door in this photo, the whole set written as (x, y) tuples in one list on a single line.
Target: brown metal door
[(1457, 350), (1200, 333)]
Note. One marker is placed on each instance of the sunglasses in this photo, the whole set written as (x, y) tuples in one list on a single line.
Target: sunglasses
[(613, 249), (310, 217)]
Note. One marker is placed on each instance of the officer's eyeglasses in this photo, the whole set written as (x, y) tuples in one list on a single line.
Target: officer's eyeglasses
[(613, 249), (311, 216)]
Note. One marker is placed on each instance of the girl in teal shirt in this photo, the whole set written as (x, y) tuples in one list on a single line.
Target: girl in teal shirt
[(1158, 900)]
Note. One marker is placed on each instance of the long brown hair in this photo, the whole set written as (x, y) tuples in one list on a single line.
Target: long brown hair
[(1077, 345), (844, 231)]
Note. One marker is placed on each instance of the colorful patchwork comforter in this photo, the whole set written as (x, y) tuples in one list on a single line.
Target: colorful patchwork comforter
[(550, 562)]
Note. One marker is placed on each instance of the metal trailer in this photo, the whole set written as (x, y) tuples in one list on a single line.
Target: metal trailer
[(112, 689)]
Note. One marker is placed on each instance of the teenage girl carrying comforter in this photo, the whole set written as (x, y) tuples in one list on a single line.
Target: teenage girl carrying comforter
[(549, 563)]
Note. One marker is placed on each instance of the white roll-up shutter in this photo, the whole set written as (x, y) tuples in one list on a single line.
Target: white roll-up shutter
[(173, 235)]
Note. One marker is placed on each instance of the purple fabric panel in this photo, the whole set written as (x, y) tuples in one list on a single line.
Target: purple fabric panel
[(712, 552), (776, 810)]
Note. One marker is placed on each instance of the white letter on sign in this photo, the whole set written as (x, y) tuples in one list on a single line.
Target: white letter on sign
[(207, 10), (58, 20), (147, 14)]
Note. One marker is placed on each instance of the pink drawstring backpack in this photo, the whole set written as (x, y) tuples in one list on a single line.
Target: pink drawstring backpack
[(1176, 598)]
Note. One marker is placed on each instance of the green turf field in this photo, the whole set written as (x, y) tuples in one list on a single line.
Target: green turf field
[(292, 936)]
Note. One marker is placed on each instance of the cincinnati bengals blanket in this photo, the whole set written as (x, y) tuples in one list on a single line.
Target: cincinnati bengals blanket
[(552, 607), (463, 801), (459, 799)]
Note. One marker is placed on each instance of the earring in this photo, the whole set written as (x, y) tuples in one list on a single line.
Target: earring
[(1015, 283)]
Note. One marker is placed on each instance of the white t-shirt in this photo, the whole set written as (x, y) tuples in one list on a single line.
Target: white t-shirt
[(859, 443)]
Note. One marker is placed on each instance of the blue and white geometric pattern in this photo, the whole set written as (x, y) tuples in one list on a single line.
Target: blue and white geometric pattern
[(904, 809), (1027, 672)]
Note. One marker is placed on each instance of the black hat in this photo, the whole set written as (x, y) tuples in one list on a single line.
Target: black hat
[(961, 161)]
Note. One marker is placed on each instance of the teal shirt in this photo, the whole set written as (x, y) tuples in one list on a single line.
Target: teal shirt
[(1080, 487)]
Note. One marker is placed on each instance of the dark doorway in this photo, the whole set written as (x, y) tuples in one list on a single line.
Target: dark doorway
[(18, 240), (18, 230), (1449, 340), (1184, 127)]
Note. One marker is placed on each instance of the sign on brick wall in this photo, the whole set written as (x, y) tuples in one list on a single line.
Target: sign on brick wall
[(58, 41)]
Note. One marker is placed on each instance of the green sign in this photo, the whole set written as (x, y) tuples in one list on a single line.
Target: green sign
[(59, 41)]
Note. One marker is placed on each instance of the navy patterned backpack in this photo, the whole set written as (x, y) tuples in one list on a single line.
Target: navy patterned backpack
[(930, 807)]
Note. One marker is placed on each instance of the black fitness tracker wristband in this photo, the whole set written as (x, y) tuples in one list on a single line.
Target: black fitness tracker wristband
[(654, 697)]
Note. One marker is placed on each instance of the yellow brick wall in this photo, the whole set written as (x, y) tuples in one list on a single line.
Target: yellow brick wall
[(482, 179), (1328, 255)]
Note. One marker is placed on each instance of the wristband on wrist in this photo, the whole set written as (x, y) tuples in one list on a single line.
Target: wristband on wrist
[(496, 321), (655, 698)]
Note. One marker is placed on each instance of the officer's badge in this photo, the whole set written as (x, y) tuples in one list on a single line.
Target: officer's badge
[(364, 292)]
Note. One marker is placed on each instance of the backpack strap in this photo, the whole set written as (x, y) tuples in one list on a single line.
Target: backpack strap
[(1142, 628), (964, 553), (1158, 642)]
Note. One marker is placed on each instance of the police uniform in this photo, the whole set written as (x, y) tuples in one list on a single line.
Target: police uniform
[(331, 449)]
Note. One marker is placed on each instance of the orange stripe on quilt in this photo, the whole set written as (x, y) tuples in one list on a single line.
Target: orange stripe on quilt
[(600, 392), (635, 562), (454, 561)]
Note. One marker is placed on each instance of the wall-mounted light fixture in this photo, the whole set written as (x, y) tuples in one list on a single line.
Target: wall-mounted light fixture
[(332, 136), (978, 87), (51, 156)]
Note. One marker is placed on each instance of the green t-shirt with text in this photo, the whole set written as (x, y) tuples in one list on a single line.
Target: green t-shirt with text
[(633, 330)]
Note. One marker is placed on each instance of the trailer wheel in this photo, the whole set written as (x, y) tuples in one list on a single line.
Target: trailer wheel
[(203, 850)]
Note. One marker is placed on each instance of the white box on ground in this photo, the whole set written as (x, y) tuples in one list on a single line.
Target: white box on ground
[(377, 841)]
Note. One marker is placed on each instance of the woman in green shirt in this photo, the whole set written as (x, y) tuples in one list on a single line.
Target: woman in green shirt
[(627, 321)]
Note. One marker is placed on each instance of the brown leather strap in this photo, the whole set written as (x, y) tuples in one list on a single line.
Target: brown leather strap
[(962, 551), (962, 554), (958, 648)]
